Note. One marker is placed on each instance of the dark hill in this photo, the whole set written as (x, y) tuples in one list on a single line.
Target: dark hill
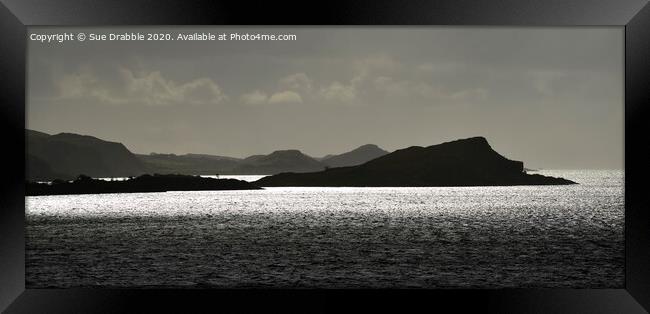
[(189, 163), (279, 161), (38, 169), (324, 157), (253, 158), (66, 155), (465, 162), (145, 183), (355, 157)]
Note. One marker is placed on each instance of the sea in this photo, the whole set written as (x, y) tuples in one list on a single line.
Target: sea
[(569, 236)]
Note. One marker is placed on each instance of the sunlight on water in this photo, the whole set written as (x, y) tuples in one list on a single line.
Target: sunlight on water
[(524, 236)]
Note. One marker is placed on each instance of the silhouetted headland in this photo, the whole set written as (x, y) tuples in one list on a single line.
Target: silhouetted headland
[(65, 155), (144, 183), (464, 162)]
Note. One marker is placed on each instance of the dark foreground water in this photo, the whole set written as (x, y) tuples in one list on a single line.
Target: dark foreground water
[(479, 237)]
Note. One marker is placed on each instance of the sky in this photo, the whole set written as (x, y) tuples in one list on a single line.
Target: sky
[(551, 97)]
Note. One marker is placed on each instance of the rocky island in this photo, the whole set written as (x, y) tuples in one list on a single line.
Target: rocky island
[(464, 162), (144, 183)]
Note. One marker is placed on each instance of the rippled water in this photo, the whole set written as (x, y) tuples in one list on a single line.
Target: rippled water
[(480, 237)]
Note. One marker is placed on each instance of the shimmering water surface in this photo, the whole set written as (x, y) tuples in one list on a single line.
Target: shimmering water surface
[(479, 237)]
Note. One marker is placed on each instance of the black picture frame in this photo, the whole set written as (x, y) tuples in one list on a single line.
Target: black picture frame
[(17, 15)]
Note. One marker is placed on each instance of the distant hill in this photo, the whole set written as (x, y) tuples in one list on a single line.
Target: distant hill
[(355, 157), (66, 155), (324, 157), (140, 184), (465, 162), (197, 164), (277, 162), (253, 158)]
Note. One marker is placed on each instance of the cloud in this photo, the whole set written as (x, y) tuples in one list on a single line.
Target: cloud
[(407, 89), (285, 97), (297, 81), (339, 93), (374, 80), (74, 85), (148, 88), (83, 84), (364, 70), (255, 97), (290, 91), (153, 89)]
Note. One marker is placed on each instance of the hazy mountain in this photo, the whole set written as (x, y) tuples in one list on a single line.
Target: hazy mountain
[(66, 155), (466, 162), (213, 157), (355, 157), (277, 162), (324, 157), (253, 158), (197, 164)]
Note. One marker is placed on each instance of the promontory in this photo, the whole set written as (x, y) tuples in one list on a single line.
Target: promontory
[(464, 162)]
